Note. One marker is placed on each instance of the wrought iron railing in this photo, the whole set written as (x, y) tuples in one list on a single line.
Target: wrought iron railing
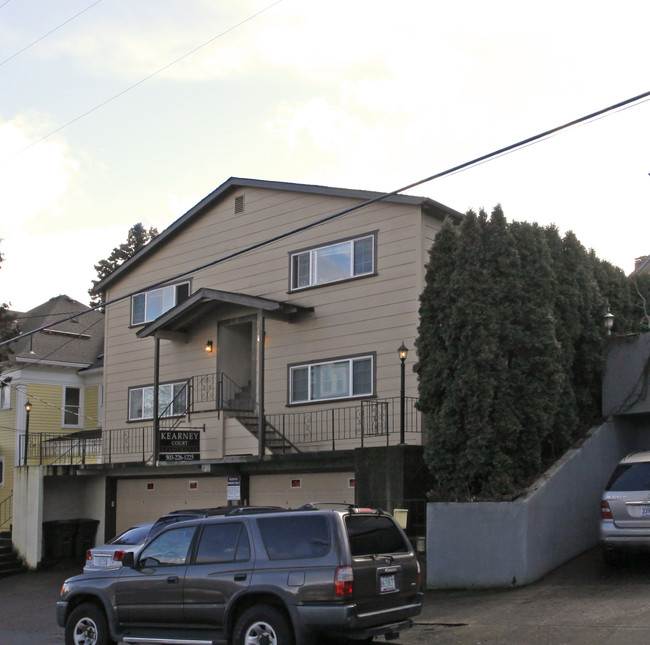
[(6, 512), (368, 422)]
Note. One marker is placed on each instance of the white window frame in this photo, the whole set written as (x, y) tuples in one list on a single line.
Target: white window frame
[(170, 296), (5, 397), (351, 394), (3, 470), (309, 259), (66, 408), (149, 388)]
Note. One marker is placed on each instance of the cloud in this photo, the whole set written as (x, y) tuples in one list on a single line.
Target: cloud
[(33, 180)]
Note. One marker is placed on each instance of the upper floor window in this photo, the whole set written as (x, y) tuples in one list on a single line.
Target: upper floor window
[(172, 401), (334, 262), (149, 305), (5, 397), (71, 406), (337, 379)]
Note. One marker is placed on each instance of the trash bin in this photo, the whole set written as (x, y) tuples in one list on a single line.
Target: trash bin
[(84, 538), (59, 539)]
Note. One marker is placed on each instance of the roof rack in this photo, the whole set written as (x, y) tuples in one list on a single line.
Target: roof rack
[(352, 508)]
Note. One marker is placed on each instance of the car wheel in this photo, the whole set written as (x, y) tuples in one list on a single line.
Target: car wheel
[(262, 625), (87, 625)]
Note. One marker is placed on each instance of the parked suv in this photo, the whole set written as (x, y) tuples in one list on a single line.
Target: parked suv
[(625, 508), (271, 578)]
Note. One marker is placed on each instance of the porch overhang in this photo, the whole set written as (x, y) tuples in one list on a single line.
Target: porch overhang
[(175, 323)]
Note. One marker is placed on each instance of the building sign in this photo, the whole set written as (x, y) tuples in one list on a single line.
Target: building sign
[(234, 488), (180, 445)]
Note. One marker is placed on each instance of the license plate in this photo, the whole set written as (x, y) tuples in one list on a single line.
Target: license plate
[(101, 562), (387, 583)]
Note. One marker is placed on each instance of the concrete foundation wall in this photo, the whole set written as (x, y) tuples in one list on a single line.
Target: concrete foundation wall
[(515, 543)]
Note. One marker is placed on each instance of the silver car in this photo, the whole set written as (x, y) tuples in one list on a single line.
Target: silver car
[(625, 509), (110, 554)]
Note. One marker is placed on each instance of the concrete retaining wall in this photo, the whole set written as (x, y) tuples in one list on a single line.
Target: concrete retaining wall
[(497, 544)]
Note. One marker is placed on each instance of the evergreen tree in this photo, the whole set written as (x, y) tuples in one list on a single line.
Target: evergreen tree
[(137, 237)]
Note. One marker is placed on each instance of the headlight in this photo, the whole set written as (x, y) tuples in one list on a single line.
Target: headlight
[(64, 588)]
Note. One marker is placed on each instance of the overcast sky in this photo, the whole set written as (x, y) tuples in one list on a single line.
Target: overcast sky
[(360, 94)]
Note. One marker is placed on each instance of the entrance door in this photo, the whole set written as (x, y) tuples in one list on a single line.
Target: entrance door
[(236, 360)]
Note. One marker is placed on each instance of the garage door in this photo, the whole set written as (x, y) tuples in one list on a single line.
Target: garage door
[(142, 500), (297, 489)]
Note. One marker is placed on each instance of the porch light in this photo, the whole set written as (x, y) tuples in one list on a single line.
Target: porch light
[(608, 322), (402, 352), (209, 347)]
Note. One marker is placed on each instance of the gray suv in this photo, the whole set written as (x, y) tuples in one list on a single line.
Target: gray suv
[(273, 578)]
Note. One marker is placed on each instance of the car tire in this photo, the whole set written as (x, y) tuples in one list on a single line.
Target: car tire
[(86, 625), (263, 625)]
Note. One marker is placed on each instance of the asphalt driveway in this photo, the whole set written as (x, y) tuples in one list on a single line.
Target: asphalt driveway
[(582, 602)]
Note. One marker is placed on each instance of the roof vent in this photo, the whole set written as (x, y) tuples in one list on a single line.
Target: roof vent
[(239, 204)]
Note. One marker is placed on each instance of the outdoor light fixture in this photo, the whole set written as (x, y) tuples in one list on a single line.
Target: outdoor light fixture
[(608, 321), (402, 352), (28, 407), (209, 347)]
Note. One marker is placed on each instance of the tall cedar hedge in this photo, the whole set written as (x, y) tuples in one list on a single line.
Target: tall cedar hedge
[(510, 348)]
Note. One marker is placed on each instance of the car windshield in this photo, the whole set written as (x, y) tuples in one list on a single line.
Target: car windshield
[(134, 535), (630, 477)]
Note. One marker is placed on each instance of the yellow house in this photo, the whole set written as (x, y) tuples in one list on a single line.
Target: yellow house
[(51, 393)]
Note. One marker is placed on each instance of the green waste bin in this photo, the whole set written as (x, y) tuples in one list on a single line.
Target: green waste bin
[(84, 538)]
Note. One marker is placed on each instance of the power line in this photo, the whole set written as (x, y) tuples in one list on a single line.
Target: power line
[(458, 168), (143, 80), (38, 40)]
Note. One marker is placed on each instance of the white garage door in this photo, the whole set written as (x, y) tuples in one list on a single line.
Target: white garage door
[(142, 500), (297, 489)]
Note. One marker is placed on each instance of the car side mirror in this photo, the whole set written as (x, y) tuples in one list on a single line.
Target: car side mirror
[(128, 560)]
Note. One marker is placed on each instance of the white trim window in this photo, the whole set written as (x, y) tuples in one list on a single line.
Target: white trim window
[(5, 397), (71, 407), (172, 401), (332, 263), (149, 305), (337, 379)]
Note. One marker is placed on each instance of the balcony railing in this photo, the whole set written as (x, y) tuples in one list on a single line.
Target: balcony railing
[(369, 422)]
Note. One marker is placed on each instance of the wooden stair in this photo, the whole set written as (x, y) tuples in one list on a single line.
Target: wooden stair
[(10, 562), (273, 440)]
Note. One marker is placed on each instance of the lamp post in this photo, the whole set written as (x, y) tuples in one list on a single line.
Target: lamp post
[(402, 352), (28, 408), (608, 321)]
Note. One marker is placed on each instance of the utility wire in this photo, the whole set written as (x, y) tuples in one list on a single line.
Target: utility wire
[(38, 40), (143, 80), (346, 211)]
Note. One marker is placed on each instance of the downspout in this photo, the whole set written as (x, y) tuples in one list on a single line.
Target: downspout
[(156, 383), (261, 334)]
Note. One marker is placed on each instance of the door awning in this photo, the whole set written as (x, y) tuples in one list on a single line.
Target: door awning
[(178, 320)]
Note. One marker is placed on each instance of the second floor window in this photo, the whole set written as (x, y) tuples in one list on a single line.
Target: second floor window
[(72, 406), (334, 262), (172, 401), (149, 305)]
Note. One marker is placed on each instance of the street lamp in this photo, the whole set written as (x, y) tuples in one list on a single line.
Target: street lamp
[(28, 409), (608, 321), (402, 352)]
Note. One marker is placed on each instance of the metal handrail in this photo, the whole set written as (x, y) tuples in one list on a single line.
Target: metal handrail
[(6, 510)]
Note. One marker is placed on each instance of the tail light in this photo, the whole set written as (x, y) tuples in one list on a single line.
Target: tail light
[(89, 555), (605, 511), (118, 555), (344, 581)]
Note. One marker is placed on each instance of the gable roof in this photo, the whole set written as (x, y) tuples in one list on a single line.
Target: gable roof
[(235, 183), (78, 342)]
